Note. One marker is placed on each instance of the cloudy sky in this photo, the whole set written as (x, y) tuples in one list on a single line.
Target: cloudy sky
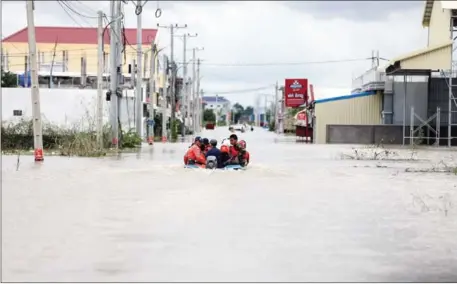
[(270, 40)]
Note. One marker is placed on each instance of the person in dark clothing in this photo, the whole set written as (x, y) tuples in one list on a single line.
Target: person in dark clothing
[(215, 152), (225, 156), (205, 145)]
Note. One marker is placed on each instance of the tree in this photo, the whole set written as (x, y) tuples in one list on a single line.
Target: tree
[(249, 110), (209, 116), (9, 80)]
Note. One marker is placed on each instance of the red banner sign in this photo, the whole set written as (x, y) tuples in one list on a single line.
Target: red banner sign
[(296, 92)]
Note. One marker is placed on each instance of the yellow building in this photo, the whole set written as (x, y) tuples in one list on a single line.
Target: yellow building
[(66, 46), (359, 109)]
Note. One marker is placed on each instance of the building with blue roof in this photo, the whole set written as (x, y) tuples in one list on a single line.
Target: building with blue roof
[(219, 104)]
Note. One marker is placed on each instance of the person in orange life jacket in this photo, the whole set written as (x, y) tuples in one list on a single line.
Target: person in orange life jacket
[(246, 156), (225, 156), (236, 151), (194, 154), (186, 159)]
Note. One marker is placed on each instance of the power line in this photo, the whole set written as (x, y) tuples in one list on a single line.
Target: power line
[(241, 91), (68, 5), (284, 63), (69, 15)]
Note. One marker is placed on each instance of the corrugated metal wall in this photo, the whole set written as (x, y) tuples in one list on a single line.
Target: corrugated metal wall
[(434, 59), (439, 97), (355, 110)]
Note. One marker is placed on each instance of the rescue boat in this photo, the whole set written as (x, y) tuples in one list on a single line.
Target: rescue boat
[(228, 167)]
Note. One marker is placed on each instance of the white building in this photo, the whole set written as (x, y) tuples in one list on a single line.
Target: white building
[(220, 105)]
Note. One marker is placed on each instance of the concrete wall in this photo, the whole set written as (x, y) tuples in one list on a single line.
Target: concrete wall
[(416, 95), (439, 25), (365, 134), (355, 109), (63, 107)]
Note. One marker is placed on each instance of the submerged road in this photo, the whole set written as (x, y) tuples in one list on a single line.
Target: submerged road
[(299, 213)]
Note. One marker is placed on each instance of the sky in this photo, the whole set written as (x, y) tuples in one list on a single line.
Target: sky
[(271, 40)]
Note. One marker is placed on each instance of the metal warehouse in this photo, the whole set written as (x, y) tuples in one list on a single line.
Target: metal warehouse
[(357, 109), (412, 99)]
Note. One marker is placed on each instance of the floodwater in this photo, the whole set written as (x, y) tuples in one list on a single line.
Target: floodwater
[(299, 213)]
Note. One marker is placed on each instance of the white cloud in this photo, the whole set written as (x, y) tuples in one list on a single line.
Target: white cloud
[(259, 32)]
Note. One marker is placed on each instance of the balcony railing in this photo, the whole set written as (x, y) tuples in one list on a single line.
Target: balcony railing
[(371, 80)]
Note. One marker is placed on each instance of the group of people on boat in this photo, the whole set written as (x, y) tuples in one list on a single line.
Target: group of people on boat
[(205, 153)]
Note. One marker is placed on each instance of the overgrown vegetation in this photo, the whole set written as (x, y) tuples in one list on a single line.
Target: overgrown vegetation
[(209, 116), (9, 80), (73, 141)]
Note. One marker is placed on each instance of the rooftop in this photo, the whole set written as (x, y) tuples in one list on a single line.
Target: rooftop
[(76, 35), (214, 98), (345, 97)]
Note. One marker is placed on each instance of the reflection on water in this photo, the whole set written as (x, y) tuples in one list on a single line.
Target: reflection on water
[(299, 213)]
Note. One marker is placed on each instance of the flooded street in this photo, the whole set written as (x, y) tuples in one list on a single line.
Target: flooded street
[(299, 213)]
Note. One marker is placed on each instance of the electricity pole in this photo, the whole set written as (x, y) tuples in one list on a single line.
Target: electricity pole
[(276, 107), (139, 77), (36, 109), (173, 69), (199, 104), (113, 74), (152, 93), (164, 104), (194, 90), (185, 100), (100, 65)]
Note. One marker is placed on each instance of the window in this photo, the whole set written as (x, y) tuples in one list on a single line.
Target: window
[(17, 112)]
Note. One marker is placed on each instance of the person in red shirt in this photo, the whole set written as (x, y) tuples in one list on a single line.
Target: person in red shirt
[(237, 152), (246, 155), (194, 154)]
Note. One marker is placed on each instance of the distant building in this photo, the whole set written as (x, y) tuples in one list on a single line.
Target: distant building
[(71, 44), (220, 105)]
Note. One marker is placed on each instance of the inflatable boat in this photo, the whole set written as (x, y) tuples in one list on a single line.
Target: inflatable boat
[(228, 167)]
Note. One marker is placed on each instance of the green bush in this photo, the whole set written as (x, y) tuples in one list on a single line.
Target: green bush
[(130, 139), (174, 130), (72, 141), (271, 126)]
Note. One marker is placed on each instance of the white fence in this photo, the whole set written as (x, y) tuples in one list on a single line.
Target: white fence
[(67, 108)]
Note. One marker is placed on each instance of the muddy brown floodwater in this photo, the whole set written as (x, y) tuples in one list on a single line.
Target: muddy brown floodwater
[(299, 213)]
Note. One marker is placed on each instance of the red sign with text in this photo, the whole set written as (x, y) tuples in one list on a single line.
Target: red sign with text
[(295, 92)]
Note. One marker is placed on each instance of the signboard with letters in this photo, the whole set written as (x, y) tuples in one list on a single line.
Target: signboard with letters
[(295, 92)]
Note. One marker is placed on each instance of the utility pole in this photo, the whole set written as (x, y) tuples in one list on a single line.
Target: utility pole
[(152, 93), (26, 71), (139, 77), (100, 65), (217, 110), (199, 105), (194, 76), (185, 99), (276, 107), (36, 109), (113, 76), (173, 69), (194, 89), (164, 104)]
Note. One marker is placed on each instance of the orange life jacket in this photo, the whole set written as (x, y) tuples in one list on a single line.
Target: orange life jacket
[(194, 153)]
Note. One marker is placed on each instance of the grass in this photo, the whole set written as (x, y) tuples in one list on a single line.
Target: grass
[(76, 140)]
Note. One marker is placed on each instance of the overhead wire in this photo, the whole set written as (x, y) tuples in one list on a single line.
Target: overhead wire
[(68, 5), (283, 63), (68, 13), (242, 90)]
